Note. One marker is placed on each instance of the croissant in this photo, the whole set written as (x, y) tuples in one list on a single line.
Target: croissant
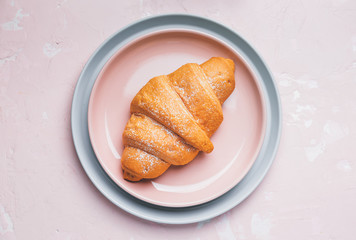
[(173, 117)]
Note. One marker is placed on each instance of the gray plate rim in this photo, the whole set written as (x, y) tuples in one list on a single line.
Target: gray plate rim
[(140, 208)]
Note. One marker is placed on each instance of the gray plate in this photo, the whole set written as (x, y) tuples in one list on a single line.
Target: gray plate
[(79, 120)]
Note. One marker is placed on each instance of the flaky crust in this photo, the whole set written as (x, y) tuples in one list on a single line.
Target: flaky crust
[(158, 100), (191, 84), (165, 144), (136, 161)]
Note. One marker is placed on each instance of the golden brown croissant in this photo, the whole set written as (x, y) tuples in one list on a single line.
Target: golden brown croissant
[(173, 117)]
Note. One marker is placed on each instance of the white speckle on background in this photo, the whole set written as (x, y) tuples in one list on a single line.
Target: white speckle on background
[(344, 165), (308, 123), (11, 57), (146, 9), (295, 117), (260, 226), (306, 82), (223, 228), (306, 108), (13, 25), (59, 4), (301, 112), (335, 131), (50, 51), (268, 196), (11, 150), (296, 95), (10, 153), (12, 3), (313, 152), (6, 224), (286, 80), (284, 83), (44, 116)]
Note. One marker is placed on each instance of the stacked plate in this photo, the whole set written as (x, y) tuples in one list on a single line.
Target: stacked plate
[(245, 143)]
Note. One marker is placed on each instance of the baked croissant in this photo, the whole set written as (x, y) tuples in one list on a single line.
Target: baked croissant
[(173, 117)]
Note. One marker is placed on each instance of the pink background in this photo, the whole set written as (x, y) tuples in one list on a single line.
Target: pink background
[(310, 191)]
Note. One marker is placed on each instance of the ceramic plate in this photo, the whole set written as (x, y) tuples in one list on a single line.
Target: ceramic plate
[(236, 143), (246, 54)]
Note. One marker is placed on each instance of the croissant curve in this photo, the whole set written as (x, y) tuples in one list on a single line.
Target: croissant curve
[(173, 117)]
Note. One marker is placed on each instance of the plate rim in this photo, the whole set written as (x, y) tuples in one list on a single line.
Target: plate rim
[(262, 134), (107, 189)]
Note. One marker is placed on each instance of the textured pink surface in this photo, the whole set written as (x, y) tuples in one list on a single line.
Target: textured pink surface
[(310, 191)]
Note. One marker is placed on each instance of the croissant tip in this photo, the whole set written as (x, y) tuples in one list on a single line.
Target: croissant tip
[(208, 149)]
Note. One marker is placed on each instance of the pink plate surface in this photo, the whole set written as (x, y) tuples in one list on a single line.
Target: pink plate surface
[(236, 143)]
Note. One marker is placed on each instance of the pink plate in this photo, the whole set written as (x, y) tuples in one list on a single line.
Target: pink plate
[(236, 143)]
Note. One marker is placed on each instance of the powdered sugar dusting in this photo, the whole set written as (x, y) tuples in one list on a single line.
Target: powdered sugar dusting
[(148, 135), (148, 160), (191, 84), (157, 99)]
